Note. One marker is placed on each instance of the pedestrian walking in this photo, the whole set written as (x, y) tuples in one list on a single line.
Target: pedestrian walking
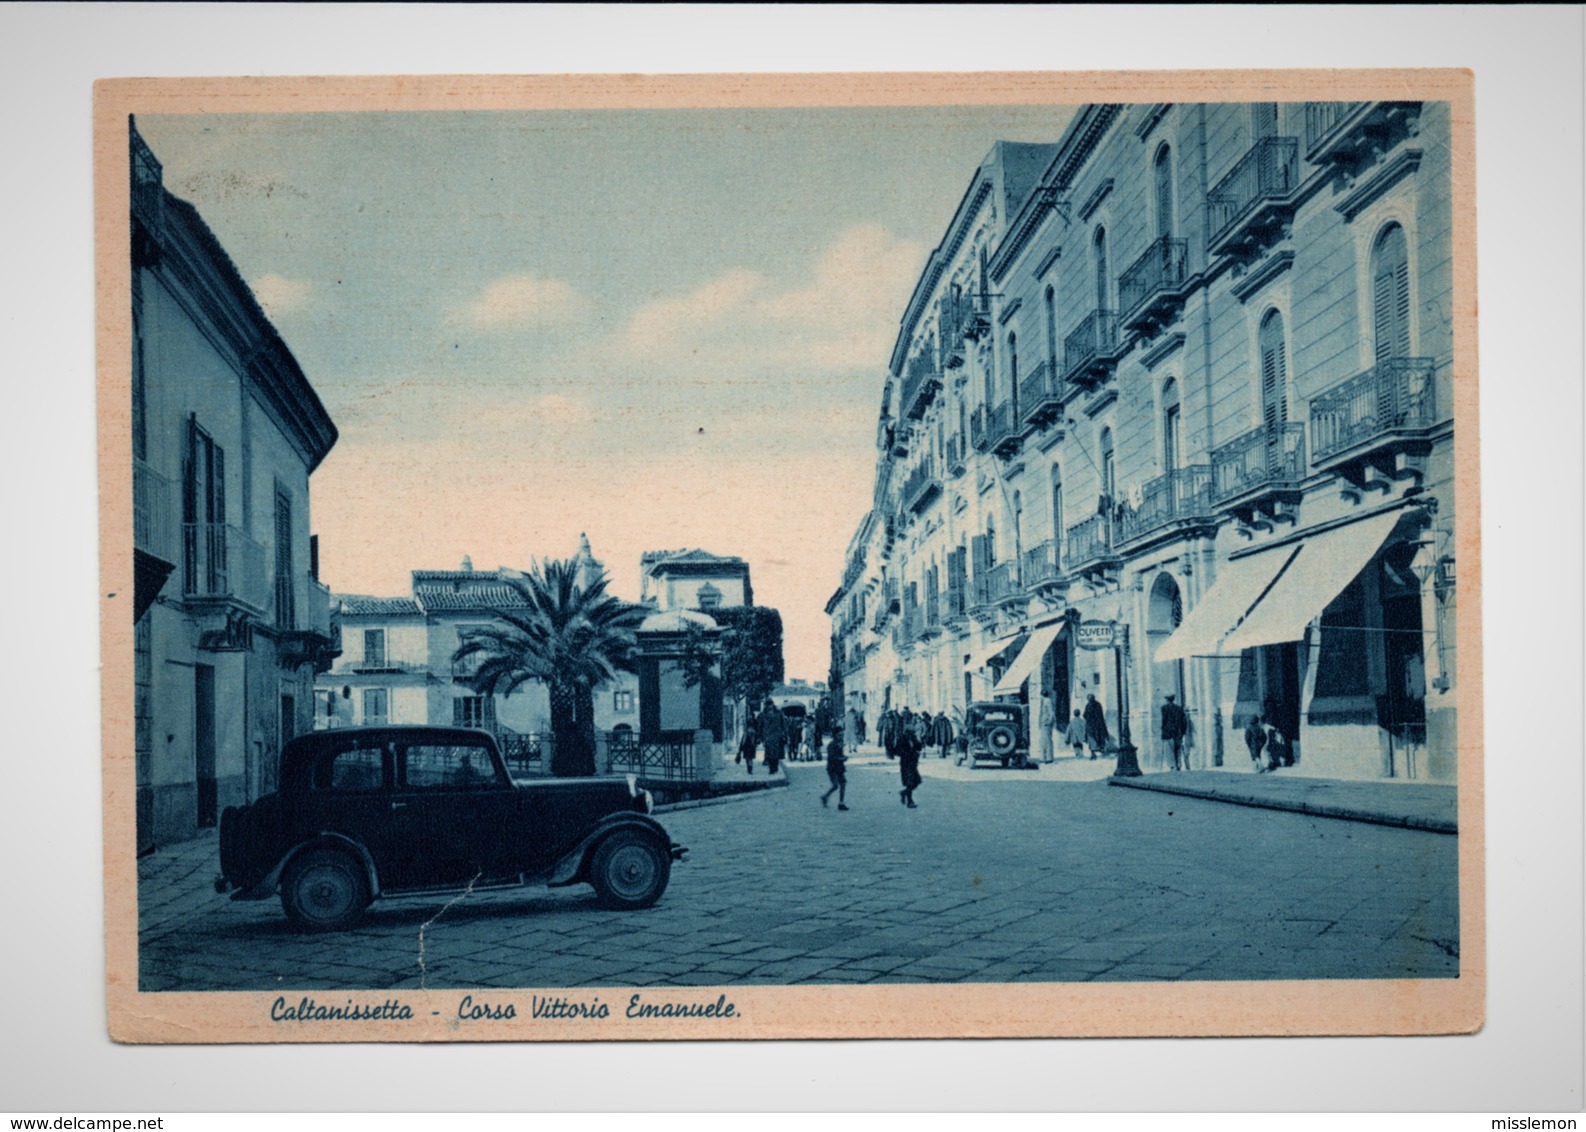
[(888, 729), (747, 745), (1096, 733), (1279, 751), (1043, 732), (836, 773), (942, 733), (908, 765), (773, 733), (1256, 740), (1174, 724), (1075, 735)]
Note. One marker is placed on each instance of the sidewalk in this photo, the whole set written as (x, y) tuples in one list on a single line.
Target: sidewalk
[(1410, 805)]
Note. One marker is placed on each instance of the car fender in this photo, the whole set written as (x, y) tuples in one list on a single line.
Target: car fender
[(267, 887), (572, 867)]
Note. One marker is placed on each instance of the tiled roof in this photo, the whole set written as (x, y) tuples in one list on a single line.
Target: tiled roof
[(361, 605), (440, 598)]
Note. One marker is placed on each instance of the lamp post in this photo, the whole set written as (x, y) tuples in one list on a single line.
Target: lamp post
[(1128, 763)]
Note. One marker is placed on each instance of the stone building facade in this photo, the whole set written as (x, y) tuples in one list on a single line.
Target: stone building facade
[(1177, 408), (231, 621)]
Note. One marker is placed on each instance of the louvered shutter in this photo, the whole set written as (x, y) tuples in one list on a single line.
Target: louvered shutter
[(1164, 193), (1274, 406), (1266, 120), (1391, 296)]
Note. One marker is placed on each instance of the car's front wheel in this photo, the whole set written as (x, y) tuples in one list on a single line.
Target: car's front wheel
[(324, 890), (630, 870)]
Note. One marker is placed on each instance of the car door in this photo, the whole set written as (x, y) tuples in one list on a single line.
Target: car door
[(453, 815), (349, 793)]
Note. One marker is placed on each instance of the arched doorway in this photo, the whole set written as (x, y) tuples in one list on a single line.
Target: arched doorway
[(1164, 613)]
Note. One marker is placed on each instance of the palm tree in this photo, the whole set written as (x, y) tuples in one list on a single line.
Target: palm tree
[(571, 636)]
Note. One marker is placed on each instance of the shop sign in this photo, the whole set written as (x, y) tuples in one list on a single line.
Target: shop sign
[(1096, 634)]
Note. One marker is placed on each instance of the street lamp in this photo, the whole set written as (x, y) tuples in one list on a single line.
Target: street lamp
[(1128, 762)]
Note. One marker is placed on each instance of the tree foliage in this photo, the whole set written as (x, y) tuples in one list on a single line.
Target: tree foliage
[(751, 658), (570, 637)]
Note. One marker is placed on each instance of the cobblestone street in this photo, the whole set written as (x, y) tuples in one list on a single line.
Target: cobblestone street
[(1047, 876)]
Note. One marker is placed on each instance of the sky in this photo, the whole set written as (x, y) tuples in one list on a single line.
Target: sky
[(664, 329)]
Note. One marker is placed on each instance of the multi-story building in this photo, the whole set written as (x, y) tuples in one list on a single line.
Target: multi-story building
[(1178, 408), (397, 664), (232, 622), (693, 579)]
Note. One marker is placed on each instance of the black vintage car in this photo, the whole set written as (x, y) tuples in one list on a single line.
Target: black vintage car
[(382, 811), (996, 732)]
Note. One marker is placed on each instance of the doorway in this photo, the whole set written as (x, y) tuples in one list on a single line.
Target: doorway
[(204, 745)]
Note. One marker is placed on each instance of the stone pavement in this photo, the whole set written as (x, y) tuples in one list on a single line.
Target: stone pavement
[(1412, 805), (998, 876)]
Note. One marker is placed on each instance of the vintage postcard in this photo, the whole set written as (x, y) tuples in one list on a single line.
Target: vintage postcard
[(741, 557)]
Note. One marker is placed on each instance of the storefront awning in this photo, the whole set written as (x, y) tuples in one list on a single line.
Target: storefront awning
[(978, 660), (1238, 588), (1029, 658), (1328, 563)]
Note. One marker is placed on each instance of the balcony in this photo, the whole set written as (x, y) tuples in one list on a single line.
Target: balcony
[(153, 510), (1004, 430), (1254, 203), (998, 585), (1041, 395), (955, 604), (1041, 567), (1089, 551), (1169, 505), (1259, 471), (975, 318), (148, 193), (921, 487), (1091, 351), (1151, 291), (979, 437), (1377, 421), (931, 622), (955, 455), (920, 384), (949, 333), (1352, 134), (220, 563)]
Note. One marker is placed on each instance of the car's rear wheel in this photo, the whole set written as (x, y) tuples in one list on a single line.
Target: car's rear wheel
[(630, 870), (324, 890)]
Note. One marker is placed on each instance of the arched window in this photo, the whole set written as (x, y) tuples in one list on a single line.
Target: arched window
[(1099, 245), (1162, 169), (1172, 436), (1051, 336), (1390, 294), (1274, 371)]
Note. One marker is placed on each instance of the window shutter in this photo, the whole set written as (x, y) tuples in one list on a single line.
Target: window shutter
[(1274, 409), (1391, 296), (1164, 193), (1266, 114)]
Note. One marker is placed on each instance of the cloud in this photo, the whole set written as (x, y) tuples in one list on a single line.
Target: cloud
[(844, 317), (279, 295), (525, 300)]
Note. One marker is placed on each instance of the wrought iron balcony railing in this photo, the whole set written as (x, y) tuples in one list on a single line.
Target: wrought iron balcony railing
[(1255, 195), (153, 510), (1153, 284), (148, 194), (999, 583), (955, 455), (950, 333), (920, 383), (1089, 544), (1041, 565), (979, 436), (1322, 122), (1041, 394), (1394, 399), (1003, 431), (1182, 496), (1091, 349), (1264, 461), (219, 561), (921, 487)]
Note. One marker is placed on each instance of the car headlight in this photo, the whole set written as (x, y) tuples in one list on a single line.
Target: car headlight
[(649, 802), (633, 785)]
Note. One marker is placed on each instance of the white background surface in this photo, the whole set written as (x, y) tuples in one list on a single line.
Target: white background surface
[(1528, 64)]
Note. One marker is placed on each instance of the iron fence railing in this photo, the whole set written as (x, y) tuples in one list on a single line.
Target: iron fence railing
[(1182, 494), (1002, 426), (1041, 564), (1040, 393), (1090, 345), (153, 507), (1269, 170), (1322, 118), (1271, 457), (1089, 543), (921, 486), (218, 560), (1160, 270), (526, 752), (1398, 394)]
